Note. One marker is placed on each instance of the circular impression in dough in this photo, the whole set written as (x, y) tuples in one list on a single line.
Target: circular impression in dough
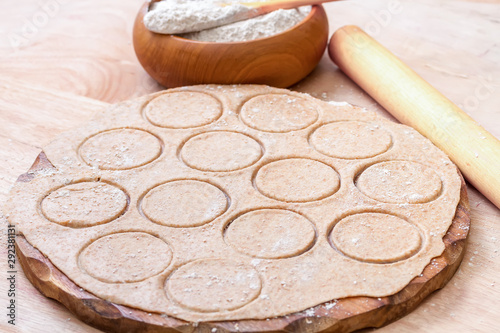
[(278, 113), (297, 180), (376, 238), (84, 204), (221, 151), (400, 182), (120, 149), (184, 203), (351, 139), (213, 285), (125, 257), (184, 109), (271, 234)]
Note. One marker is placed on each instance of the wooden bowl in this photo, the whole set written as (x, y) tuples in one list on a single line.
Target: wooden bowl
[(280, 60)]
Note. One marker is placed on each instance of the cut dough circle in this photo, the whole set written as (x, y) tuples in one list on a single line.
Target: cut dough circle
[(120, 149), (125, 257), (271, 234), (297, 180), (221, 151), (400, 182), (376, 238), (278, 113), (184, 109), (84, 204), (351, 139), (213, 285), (184, 203)]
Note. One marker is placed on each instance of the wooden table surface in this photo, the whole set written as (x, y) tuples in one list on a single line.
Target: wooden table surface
[(62, 61)]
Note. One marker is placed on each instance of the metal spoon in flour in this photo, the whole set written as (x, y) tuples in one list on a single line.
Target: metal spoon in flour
[(175, 17)]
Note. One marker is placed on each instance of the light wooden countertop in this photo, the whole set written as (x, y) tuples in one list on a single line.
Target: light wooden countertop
[(61, 61)]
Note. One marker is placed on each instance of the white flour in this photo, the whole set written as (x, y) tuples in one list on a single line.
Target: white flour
[(258, 27), (175, 16)]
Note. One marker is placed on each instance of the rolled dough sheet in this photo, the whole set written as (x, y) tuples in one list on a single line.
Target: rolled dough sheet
[(235, 202)]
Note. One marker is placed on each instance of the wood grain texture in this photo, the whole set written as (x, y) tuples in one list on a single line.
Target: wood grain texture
[(70, 46), (272, 5), (82, 51), (43, 112), (280, 61), (416, 103)]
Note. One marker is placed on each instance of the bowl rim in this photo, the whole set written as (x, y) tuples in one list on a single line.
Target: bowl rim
[(314, 10)]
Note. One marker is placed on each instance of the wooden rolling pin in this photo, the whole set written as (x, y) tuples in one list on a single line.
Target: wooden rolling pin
[(416, 103)]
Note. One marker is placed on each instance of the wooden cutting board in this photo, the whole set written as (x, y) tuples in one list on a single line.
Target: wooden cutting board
[(339, 316), (453, 44)]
